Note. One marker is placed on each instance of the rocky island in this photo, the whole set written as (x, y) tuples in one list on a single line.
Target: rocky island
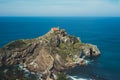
[(45, 57)]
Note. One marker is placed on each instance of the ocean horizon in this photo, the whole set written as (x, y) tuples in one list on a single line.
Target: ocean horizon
[(101, 31)]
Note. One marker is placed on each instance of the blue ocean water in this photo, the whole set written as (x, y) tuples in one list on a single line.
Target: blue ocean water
[(101, 31)]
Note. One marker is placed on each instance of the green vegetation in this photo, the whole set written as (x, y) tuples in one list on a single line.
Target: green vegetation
[(62, 76), (66, 50), (78, 45), (15, 73), (73, 39), (11, 73), (17, 44)]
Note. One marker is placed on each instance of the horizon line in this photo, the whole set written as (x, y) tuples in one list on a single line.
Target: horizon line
[(59, 16)]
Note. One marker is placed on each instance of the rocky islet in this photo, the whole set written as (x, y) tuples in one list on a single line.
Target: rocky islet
[(45, 57)]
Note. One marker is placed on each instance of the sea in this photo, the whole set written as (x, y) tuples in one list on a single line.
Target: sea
[(101, 31)]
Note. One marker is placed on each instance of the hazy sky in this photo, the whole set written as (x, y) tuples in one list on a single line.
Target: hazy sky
[(59, 7)]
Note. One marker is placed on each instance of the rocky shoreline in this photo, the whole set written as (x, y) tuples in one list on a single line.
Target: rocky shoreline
[(45, 57)]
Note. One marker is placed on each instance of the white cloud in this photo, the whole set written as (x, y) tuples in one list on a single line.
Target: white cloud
[(60, 7)]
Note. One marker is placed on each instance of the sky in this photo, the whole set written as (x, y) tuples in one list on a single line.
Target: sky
[(59, 7)]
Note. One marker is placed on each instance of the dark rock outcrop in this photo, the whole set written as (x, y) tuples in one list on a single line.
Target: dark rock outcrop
[(47, 56)]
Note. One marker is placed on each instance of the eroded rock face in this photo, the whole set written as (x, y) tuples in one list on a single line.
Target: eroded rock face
[(42, 62), (47, 55), (91, 50)]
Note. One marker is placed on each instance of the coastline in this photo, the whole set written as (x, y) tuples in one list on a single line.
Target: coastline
[(96, 32)]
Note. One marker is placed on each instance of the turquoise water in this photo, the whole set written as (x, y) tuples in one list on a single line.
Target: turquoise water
[(103, 32)]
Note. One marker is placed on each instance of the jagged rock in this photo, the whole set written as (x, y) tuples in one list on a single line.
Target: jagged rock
[(48, 55), (91, 50)]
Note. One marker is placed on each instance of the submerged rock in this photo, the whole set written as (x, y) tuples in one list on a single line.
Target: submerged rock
[(47, 56)]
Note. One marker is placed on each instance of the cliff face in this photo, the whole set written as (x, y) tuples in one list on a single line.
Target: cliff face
[(45, 57)]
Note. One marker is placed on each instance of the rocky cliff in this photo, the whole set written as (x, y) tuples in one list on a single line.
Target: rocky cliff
[(45, 57)]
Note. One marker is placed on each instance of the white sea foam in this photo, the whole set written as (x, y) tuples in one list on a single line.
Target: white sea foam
[(89, 61), (83, 57), (76, 78)]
